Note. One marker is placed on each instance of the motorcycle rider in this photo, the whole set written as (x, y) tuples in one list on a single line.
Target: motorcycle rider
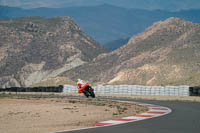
[(82, 86)]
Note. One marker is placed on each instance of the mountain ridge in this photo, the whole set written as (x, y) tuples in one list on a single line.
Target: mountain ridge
[(105, 23), (141, 4), (34, 49), (166, 53)]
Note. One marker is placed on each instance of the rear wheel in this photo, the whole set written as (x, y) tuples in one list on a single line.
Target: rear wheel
[(91, 92), (86, 93)]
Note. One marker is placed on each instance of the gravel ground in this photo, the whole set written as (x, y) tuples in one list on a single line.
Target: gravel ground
[(42, 115)]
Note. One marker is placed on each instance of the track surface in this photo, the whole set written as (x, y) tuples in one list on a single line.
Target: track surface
[(185, 118)]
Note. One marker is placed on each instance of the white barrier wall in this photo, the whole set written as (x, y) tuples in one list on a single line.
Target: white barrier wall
[(135, 90)]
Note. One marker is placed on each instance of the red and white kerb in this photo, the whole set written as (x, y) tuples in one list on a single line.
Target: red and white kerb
[(154, 111)]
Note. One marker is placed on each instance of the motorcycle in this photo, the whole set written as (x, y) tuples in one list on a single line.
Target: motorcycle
[(89, 91)]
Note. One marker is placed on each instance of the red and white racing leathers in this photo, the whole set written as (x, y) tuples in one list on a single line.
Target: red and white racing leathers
[(81, 85)]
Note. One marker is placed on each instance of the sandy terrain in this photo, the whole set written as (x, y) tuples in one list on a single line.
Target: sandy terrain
[(32, 115)]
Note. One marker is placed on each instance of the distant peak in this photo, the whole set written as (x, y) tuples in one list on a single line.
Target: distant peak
[(175, 25), (106, 5), (170, 21), (174, 19)]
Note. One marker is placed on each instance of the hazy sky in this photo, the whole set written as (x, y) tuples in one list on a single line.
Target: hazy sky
[(142, 4)]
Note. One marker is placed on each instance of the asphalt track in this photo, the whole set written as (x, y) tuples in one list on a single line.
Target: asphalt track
[(185, 118)]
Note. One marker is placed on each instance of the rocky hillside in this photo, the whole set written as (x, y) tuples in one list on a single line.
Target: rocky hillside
[(56, 81), (33, 49), (167, 53)]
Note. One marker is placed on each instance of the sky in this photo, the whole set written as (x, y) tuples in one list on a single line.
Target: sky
[(141, 4)]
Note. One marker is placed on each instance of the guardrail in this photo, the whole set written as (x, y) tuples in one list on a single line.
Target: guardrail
[(33, 89), (116, 89), (140, 90)]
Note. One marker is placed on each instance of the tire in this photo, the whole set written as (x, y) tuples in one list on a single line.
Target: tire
[(91, 92), (86, 93)]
